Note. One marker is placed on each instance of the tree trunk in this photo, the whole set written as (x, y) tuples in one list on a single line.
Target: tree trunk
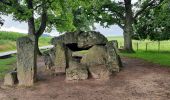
[(127, 41), (37, 46), (31, 25), (128, 29)]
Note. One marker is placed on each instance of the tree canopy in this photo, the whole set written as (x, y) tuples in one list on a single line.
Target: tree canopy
[(154, 24), (123, 13)]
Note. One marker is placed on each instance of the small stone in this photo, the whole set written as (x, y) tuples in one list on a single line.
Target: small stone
[(10, 78)]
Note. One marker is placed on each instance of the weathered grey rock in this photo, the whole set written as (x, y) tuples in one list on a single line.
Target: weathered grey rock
[(102, 61), (96, 60), (97, 55), (91, 38), (113, 61), (63, 54), (115, 44), (60, 53), (100, 72), (48, 61), (10, 78), (76, 71), (26, 60), (80, 40), (52, 54)]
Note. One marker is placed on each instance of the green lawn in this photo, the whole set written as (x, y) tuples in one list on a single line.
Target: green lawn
[(162, 57), (8, 40), (151, 45), (6, 65)]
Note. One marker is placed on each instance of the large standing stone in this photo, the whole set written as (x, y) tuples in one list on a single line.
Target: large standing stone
[(63, 54), (76, 71), (26, 60), (10, 78), (96, 55), (96, 60), (60, 59), (113, 61)]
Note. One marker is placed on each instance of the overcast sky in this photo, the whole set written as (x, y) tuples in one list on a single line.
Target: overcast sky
[(22, 27)]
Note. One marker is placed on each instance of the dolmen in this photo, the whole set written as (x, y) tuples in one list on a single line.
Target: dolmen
[(100, 60), (96, 58)]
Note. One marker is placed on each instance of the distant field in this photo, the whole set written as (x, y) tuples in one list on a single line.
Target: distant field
[(8, 40), (151, 45), (162, 57)]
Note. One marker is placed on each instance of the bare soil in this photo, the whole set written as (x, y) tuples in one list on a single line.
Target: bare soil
[(138, 80)]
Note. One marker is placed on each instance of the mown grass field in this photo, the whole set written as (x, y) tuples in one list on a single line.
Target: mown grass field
[(151, 45), (152, 54), (8, 40)]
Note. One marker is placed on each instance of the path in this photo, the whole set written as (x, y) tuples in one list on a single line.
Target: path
[(138, 80), (8, 53)]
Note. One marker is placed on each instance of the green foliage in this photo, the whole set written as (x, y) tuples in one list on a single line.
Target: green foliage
[(60, 15), (154, 24)]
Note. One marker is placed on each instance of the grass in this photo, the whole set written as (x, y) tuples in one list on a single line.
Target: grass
[(162, 58), (8, 40), (152, 55), (151, 45), (6, 65)]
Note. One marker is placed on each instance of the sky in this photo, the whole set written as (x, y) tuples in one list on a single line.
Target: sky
[(22, 27)]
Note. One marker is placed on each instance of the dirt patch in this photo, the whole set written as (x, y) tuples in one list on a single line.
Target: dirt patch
[(138, 80)]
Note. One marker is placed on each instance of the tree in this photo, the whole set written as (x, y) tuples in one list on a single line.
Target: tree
[(124, 14), (154, 24), (44, 15)]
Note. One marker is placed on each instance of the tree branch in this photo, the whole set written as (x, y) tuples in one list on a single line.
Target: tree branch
[(43, 23), (149, 4)]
